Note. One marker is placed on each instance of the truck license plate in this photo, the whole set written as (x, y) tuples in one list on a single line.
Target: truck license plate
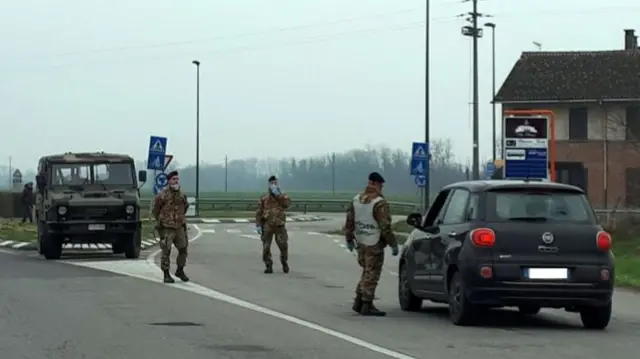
[(96, 227)]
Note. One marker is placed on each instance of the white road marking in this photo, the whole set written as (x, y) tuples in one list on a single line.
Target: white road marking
[(149, 271), (205, 220), (314, 233), (19, 245), (251, 236), (230, 231), (5, 243), (209, 231)]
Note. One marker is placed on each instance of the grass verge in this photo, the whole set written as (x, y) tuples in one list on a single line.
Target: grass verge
[(294, 195), (14, 230), (214, 214)]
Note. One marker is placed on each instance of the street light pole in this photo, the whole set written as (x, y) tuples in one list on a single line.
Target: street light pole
[(197, 63), (493, 86), (426, 104)]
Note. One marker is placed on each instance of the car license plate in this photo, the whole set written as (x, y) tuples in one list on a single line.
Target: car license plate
[(547, 273), (96, 227)]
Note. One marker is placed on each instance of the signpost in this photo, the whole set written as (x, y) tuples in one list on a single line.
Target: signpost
[(491, 169), (526, 147), (157, 153), (419, 167), (160, 182)]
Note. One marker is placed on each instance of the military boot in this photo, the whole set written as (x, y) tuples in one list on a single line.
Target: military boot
[(180, 274), (285, 267), (269, 269), (357, 303), (368, 309), (168, 278)]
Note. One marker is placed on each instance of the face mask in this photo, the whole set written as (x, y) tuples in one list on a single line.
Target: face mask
[(273, 186), (175, 187)]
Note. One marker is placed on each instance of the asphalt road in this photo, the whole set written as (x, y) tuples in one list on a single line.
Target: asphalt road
[(320, 289), (233, 310)]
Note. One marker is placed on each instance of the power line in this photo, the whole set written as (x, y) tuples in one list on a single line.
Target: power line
[(309, 40)]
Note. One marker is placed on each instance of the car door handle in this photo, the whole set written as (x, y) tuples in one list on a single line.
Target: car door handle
[(452, 234)]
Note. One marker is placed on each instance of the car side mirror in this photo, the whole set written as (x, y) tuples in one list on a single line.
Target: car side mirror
[(142, 176), (40, 182), (414, 219)]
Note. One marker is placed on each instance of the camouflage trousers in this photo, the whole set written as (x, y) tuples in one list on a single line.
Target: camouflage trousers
[(370, 259), (173, 237), (282, 239)]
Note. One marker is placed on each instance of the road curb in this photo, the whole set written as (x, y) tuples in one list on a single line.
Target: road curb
[(32, 246), (147, 243)]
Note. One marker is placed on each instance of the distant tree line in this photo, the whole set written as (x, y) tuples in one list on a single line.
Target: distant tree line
[(339, 172)]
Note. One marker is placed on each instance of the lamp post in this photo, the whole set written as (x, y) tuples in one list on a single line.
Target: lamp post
[(426, 201), (197, 63), (493, 86)]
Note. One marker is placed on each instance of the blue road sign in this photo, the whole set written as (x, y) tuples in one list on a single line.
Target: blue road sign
[(421, 181), (523, 163), (157, 153), (419, 159), (161, 182), (491, 168)]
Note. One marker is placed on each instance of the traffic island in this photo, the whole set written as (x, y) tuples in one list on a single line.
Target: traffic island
[(22, 236)]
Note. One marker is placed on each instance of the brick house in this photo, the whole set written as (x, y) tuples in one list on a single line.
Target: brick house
[(595, 96)]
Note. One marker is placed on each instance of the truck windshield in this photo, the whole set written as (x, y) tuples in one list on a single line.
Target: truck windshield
[(538, 204), (69, 174)]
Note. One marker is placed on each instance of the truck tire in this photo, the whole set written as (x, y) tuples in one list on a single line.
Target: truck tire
[(51, 246), (132, 245), (117, 247), (41, 233)]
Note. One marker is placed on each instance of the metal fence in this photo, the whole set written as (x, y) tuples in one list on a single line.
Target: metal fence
[(605, 216)]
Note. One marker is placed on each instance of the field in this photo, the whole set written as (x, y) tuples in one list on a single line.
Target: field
[(13, 229), (293, 194)]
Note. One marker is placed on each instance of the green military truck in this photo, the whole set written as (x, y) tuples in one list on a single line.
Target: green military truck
[(88, 198)]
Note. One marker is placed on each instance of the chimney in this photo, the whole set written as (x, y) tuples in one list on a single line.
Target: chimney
[(630, 39)]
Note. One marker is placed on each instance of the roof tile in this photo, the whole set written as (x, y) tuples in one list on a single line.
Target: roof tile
[(579, 75)]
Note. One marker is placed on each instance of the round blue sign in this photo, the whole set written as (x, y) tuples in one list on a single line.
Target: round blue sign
[(161, 179)]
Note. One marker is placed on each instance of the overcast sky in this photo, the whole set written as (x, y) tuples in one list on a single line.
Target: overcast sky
[(278, 78)]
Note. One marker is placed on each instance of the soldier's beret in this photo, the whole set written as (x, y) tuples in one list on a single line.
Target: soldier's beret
[(272, 178), (376, 177), (172, 174)]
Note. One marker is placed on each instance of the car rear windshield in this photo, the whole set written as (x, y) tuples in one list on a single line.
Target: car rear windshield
[(539, 204)]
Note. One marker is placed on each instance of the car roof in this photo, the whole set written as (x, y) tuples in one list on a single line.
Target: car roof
[(487, 185), (71, 157)]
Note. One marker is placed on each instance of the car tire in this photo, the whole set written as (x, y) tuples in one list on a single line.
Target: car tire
[(409, 302), (461, 311), (529, 309), (51, 246), (596, 317), (132, 246)]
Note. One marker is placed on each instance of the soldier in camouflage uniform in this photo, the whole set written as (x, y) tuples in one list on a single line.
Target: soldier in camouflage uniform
[(270, 221), (368, 228), (170, 208)]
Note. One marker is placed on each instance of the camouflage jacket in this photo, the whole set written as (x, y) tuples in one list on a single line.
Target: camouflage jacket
[(170, 208), (380, 213), (271, 210)]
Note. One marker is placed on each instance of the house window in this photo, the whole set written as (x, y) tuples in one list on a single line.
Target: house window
[(633, 123), (578, 118), (632, 179)]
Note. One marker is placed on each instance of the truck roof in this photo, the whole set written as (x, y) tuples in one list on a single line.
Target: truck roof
[(87, 157)]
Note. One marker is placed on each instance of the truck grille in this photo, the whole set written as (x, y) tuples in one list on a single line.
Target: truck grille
[(96, 213)]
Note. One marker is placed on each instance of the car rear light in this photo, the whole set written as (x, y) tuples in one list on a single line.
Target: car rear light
[(486, 272), (605, 274), (603, 241), (483, 237)]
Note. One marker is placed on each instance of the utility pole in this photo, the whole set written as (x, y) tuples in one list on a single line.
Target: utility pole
[(197, 63), (475, 33), (226, 173), (333, 173), (494, 143), (426, 104)]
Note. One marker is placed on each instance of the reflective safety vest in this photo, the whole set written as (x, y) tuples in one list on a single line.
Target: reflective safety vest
[(367, 230)]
